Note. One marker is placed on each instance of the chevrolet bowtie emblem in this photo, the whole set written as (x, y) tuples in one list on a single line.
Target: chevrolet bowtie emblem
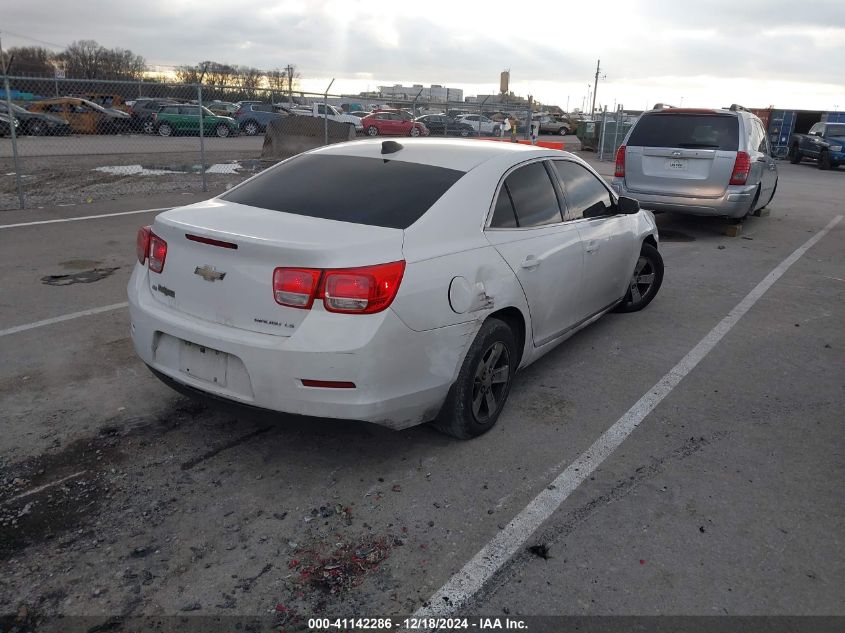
[(209, 273)]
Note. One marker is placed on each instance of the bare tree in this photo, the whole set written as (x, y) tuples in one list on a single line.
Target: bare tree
[(83, 59), (30, 60), (250, 80)]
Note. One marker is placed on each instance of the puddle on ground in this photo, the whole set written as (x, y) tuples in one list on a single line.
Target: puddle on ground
[(668, 235), (82, 277), (236, 167)]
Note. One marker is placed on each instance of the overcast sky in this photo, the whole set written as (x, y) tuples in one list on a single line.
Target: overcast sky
[(704, 52)]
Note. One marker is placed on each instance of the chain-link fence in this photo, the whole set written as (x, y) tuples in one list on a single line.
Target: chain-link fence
[(67, 141)]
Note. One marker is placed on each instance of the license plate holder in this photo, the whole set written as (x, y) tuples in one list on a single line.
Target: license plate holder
[(676, 164), (203, 363)]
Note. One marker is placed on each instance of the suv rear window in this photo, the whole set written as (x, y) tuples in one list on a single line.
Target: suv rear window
[(374, 191), (705, 131)]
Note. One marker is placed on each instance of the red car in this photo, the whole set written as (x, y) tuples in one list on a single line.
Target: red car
[(389, 123)]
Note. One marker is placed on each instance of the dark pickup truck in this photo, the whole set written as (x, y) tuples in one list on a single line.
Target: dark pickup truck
[(824, 144)]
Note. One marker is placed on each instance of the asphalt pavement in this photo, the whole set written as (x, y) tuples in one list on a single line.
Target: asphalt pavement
[(118, 496)]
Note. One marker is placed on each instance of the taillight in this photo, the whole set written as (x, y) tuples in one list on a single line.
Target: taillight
[(295, 287), (620, 162), (361, 290), (742, 165), (236, 112), (157, 253), (142, 244), (364, 290)]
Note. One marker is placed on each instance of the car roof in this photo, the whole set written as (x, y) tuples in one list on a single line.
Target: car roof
[(460, 154)]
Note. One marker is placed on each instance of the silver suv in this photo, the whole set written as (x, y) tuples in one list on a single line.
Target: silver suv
[(701, 162)]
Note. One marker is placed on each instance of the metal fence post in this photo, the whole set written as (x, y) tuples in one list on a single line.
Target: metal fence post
[(202, 139), (12, 132), (601, 133), (326, 113)]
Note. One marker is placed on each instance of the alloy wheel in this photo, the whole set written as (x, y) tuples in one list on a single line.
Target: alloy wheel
[(490, 381), (642, 280)]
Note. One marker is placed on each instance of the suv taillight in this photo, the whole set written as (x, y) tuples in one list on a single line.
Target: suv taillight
[(142, 244), (742, 165), (620, 162), (364, 290), (157, 253)]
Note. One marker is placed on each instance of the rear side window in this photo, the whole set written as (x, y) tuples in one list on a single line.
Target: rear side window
[(704, 131), (504, 217), (388, 193), (585, 196), (533, 196)]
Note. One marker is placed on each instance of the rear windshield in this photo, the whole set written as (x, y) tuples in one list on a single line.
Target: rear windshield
[(373, 191), (705, 131)]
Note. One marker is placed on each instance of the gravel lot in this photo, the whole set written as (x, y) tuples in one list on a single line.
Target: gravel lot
[(119, 497), (66, 170)]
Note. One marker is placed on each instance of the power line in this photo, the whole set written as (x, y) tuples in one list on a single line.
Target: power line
[(33, 39)]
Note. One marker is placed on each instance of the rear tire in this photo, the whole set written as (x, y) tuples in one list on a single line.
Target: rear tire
[(36, 128), (222, 130), (251, 128), (415, 131), (645, 282), (563, 131), (479, 394), (372, 131), (824, 160), (165, 130), (794, 155)]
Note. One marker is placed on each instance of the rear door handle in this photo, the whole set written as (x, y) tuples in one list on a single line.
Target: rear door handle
[(530, 262)]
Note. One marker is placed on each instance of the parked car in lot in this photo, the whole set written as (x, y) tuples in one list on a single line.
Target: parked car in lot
[(252, 116), (6, 125), (113, 101), (36, 123), (84, 116), (697, 161), (323, 110), (441, 125), (142, 111), (824, 143), (222, 108), (481, 123), (410, 290), (391, 123), (185, 119), (552, 125)]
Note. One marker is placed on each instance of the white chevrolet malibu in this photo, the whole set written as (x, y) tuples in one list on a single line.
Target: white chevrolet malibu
[(392, 282)]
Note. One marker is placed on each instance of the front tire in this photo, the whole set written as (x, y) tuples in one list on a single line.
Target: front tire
[(372, 131), (645, 282), (250, 128), (824, 160), (37, 128), (563, 131), (479, 394), (415, 131), (222, 130), (165, 130), (794, 155)]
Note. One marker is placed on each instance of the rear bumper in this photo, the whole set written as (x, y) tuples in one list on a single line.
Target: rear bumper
[(401, 376), (735, 203)]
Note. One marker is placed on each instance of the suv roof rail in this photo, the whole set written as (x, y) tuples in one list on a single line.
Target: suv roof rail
[(662, 106), (735, 107)]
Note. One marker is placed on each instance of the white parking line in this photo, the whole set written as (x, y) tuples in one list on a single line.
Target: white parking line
[(29, 493), (84, 217), (65, 317), (471, 578)]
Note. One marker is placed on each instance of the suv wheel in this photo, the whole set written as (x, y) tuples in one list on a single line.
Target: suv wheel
[(478, 396), (645, 282), (165, 130), (563, 131), (222, 130), (415, 131), (251, 128), (794, 155), (824, 160)]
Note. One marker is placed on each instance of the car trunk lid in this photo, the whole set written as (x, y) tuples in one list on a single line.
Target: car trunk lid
[(221, 257)]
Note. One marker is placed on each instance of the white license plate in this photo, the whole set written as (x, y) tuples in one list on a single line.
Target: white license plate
[(676, 164), (203, 363)]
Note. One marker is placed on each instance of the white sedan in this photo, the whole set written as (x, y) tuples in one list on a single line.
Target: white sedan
[(392, 282), (481, 123)]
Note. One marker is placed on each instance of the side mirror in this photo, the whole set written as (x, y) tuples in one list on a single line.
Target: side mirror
[(628, 206)]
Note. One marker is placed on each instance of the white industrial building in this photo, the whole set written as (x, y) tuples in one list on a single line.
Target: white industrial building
[(432, 93)]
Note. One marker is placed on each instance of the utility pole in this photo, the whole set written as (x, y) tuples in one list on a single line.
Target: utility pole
[(596, 86)]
